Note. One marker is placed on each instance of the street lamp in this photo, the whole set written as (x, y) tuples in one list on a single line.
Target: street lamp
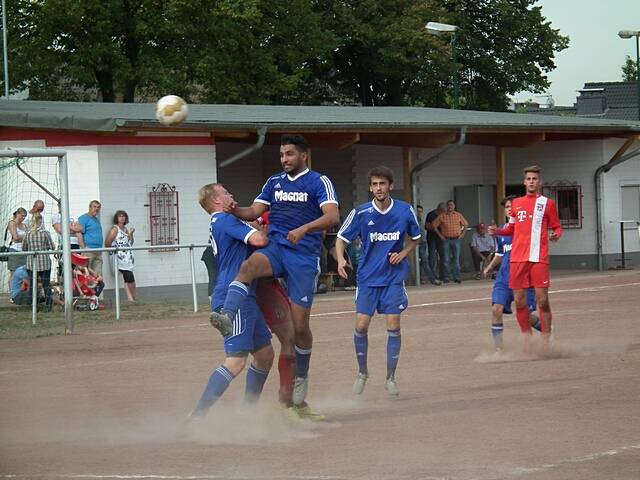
[(628, 34), (435, 28)]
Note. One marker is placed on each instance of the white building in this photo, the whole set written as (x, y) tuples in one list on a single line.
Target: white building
[(118, 154)]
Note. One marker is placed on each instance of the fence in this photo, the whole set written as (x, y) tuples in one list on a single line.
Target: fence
[(114, 259)]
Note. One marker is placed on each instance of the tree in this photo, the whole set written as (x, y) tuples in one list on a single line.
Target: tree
[(385, 56), (237, 51), (630, 70)]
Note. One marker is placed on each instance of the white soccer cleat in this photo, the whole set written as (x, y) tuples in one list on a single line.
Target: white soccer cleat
[(391, 387), (359, 384), (300, 389)]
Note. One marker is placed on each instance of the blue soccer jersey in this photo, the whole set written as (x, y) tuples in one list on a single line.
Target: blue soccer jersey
[(503, 249), (296, 201), (228, 237), (382, 233)]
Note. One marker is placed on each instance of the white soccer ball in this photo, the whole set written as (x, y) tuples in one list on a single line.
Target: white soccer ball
[(171, 110)]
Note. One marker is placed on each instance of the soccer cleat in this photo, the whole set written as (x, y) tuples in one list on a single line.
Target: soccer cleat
[(361, 381), (221, 322), (304, 412), (300, 388), (391, 386)]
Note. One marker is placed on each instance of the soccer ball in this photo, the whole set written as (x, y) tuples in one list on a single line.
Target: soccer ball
[(171, 110)]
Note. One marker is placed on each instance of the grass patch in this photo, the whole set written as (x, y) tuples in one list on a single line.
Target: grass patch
[(15, 321)]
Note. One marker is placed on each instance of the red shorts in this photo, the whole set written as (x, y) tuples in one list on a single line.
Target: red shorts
[(273, 302), (528, 274)]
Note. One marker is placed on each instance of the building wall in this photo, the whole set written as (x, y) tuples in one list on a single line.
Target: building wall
[(126, 175)]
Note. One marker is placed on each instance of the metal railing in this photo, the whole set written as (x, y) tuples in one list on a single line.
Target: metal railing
[(114, 259)]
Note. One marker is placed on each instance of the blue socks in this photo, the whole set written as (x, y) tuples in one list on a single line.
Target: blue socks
[(496, 333), (236, 294), (394, 341), (361, 343), (255, 382), (303, 358), (218, 383)]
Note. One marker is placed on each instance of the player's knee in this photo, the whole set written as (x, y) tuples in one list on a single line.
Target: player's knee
[(235, 364), (497, 310), (543, 304), (264, 358)]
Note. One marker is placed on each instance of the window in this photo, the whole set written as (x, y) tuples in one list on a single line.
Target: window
[(164, 218), (568, 200)]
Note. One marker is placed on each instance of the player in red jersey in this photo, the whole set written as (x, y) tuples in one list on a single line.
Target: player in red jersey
[(531, 218)]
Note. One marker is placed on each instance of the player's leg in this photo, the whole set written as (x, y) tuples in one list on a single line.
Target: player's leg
[(534, 320), (393, 301), (219, 381), (262, 352), (361, 346), (544, 311), (258, 265), (303, 346), (497, 327), (394, 343)]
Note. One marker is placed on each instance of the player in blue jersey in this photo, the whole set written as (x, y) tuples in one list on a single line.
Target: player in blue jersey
[(502, 295), (232, 241), (382, 225), (302, 204)]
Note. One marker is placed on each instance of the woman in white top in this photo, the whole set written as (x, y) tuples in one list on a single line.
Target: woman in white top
[(16, 230), (121, 236)]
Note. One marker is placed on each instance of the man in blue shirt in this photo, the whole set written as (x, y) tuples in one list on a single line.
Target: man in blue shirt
[(382, 225), (302, 204), (232, 241), (92, 235), (502, 295)]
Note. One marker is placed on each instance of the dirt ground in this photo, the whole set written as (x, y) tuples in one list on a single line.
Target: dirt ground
[(110, 403)]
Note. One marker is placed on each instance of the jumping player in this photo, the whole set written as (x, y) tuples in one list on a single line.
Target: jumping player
[(231, 240), (381, 225), (303, 203), (531, 218), (502, 295)]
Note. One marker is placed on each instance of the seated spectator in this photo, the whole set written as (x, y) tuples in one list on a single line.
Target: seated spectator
[(21, 286), (483, 247)]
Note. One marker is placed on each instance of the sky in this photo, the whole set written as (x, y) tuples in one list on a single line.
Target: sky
[(595, 52)]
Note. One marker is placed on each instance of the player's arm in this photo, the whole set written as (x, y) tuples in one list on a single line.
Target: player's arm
[(505, 231), (342, 262), (245, 213), (409, 245), (258, 239), (554, 223), (493, 265), (330, 218)]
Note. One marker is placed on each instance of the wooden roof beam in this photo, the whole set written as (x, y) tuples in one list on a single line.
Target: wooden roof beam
[(518, 140), (415, 140)]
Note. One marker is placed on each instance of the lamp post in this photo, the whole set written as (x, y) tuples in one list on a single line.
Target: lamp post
[(628, 34), (4, 49), (435, 28)]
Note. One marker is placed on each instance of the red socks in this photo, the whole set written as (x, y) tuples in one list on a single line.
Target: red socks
[(286, 369), (522, 314)]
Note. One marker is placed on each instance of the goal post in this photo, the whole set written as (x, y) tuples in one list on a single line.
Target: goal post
[(63, 201)]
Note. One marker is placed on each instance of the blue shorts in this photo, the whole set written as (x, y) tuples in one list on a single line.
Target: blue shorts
[(250, 331), (300, 271), (503, 295), (389, 300)]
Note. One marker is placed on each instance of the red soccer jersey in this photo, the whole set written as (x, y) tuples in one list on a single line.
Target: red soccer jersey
[(532, 217)]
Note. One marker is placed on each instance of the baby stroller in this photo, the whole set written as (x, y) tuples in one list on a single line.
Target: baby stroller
[(87, 285)]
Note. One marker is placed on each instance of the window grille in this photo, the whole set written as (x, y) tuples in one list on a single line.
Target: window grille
[(164, 217), (568, 200)]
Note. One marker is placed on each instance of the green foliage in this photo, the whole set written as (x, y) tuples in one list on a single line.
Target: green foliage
[(630, 70), (369, 52)]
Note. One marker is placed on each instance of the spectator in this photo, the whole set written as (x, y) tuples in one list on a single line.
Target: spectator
[(483, 247), (20, 292), (35, 240), (434, 243), (122, 237), (426, 274), (450, 227), (16, 230), (75, 231), (38, 207), (92, 235)]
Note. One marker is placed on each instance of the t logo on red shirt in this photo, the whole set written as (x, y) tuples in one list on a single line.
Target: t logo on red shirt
[(522, 215)]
